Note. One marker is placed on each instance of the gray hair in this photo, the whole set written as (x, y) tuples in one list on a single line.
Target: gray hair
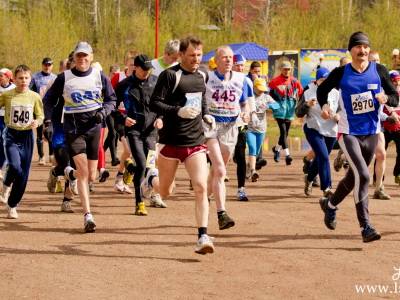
[(171, 47), (221, 48)]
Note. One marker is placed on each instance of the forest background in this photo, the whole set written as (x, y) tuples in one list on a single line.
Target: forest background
[(33, 29)]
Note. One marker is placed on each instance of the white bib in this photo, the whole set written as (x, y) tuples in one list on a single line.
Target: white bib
[(21, 115), (362, 103)]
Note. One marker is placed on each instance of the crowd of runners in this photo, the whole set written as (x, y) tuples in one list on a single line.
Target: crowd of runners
[(173, 110)]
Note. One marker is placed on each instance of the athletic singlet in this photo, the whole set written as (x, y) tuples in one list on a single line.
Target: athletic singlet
[(224, 97), (359, 109), (82, 94)]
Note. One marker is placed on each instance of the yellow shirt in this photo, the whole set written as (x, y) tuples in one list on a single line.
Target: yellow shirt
[(21, 108)]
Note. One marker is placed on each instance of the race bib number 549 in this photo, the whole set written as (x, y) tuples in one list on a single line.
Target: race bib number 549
[(362, 103), (21, 115)]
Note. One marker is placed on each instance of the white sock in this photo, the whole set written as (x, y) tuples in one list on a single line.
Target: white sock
[(330, 205), (286, 151), (278, 148)]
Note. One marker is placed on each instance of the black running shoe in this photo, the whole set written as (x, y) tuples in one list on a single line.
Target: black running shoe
[(225, 221), (289, 160), (306, 165), (369, 234), (277, 155), (261, 163), (330, 214)]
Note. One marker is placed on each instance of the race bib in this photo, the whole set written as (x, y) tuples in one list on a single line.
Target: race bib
[(362, 103), (21, 115), (151, 159), (194, 100)]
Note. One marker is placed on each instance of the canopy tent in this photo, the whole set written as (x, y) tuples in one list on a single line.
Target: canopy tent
[(251, 51)]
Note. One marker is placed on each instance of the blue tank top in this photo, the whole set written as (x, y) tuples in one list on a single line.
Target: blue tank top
[(359, 113)]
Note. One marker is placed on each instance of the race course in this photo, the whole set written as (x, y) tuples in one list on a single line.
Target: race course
[(279, 248)]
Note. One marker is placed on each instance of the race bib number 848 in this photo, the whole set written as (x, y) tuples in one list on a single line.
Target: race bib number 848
[(362, 103), (21, 115)]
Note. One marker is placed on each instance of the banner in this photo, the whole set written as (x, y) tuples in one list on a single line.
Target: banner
[(310, 59)]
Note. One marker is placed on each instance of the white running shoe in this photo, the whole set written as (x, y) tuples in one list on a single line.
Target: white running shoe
[(119, 184), (204, 245), (12, 213), (42, 161), (6, 193), (66, 207), (127, 189), (156, 201), (145, 188), (90, 225)]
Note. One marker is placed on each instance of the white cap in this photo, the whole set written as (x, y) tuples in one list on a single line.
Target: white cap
[(395, 52)]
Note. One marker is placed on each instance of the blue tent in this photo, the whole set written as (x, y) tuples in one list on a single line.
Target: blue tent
[(251, 51)]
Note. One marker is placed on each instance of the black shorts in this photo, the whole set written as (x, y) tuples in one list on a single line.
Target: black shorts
[(87, 143)]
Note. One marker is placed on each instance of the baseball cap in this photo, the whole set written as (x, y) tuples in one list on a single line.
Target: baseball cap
[(7, 72), (286, 64), (260, 84), (83, 47), (322, 73), (394, 75), (238, 59), (47, 61), (143, 61)]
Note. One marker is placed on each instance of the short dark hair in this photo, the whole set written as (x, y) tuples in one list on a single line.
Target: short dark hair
[(186, 42), (255, 64), (22, 68)]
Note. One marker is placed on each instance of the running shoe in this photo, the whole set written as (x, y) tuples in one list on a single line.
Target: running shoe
[(59, 188), (5, 194), (89, 224), (307, 186), (330, 214), (140, 209), (380, 194), (104, 174), (129, 171), (156, 201), (260, 163), (369, 234), (225, 221), (51, 181), (397, 179), (306, 165), (115, 162), (315, 182), (277, 155), (338, 162), (66, 207), (288, 160), (241, 195), (204, 245), (42, 161), (145, 186), (254, 176), (12, 213), (327, 193)]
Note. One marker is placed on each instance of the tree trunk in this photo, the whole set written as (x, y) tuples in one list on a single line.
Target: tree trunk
[(349, 13)]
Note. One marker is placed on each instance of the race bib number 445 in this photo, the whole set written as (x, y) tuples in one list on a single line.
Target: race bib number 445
[(362, 103), (21, 115)]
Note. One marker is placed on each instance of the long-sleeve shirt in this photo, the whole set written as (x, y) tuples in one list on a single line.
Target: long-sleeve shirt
[(169, 96), (359, 109), (21, 108)]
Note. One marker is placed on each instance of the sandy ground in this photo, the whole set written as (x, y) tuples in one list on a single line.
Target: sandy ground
[(279, 249)]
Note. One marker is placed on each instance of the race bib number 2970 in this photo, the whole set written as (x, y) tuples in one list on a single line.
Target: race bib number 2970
[(362, 103), (21, 115)]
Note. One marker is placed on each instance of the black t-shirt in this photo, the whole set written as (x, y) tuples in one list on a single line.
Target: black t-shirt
[(167, 101)]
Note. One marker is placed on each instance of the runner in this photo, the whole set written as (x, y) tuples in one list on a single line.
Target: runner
[(363, 87), (89, 98), (320, 133), (140, 130), (179, 96), (227, 95), (169, 59), (39, 84), (23, 112), (286, 90), (6, 84)]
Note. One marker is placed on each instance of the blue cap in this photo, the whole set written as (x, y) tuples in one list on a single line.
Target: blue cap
[(322, 73), (238, 59)]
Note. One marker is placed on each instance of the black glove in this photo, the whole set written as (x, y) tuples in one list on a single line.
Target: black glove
[(47, 130), (100, 116)]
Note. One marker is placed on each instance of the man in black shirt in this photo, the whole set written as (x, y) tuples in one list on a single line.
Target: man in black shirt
[(179, 96)]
